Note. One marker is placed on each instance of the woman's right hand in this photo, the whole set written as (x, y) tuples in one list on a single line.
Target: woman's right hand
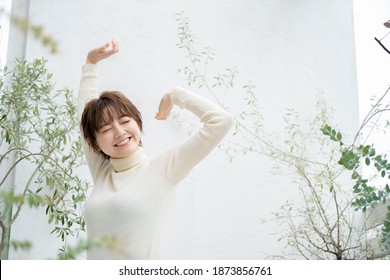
[(97, 54)]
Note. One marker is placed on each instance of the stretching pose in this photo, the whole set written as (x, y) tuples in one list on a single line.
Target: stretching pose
[(132, 191)]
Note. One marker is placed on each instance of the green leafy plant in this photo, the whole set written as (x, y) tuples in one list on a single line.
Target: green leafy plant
[(373, 188), (39, 133), (323, 225)]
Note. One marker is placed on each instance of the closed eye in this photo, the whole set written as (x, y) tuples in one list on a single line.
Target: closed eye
[(124, 120), (105, 129)]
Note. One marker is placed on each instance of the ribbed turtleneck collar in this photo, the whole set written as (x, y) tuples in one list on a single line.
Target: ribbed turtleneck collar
[(126, 163)]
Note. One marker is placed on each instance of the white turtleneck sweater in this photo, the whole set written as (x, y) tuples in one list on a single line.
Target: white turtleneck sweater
[(131, 196)]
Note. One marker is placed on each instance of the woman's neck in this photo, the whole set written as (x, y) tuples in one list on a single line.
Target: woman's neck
[(126, 163)]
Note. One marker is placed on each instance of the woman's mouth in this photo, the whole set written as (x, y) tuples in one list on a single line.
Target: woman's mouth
[(123, 142)]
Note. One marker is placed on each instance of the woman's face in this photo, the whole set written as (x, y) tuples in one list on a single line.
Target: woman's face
[(120, 138)]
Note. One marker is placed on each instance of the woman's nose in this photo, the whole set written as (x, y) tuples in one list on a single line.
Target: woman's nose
[(119, 131)]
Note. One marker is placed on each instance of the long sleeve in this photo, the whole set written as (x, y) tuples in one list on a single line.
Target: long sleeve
[(88, 91), (176, 163), (88, 87)]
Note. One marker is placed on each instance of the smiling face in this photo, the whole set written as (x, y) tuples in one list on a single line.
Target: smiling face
[(112, 125), (120, 138)]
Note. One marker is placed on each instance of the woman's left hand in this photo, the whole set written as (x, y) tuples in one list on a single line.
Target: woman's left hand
[(165, 107)]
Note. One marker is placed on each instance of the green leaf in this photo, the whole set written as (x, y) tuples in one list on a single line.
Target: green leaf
[(349, 159), (356, 190), (65, 158), (7, 137), (366, 150)]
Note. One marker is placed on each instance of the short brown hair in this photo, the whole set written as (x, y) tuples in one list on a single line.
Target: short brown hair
[(100, 111)]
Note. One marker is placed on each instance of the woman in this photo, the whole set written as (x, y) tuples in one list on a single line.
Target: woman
[(132, 192)]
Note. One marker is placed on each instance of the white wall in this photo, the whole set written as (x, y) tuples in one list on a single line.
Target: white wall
[(289, 49), (5, 8)]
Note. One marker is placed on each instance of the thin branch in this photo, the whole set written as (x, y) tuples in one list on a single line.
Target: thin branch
[(19, 207), (370, 115), (4, 229), (15, 164), (383, 46)]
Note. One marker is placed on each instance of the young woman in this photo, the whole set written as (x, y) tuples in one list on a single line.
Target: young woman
[(132, 191)]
